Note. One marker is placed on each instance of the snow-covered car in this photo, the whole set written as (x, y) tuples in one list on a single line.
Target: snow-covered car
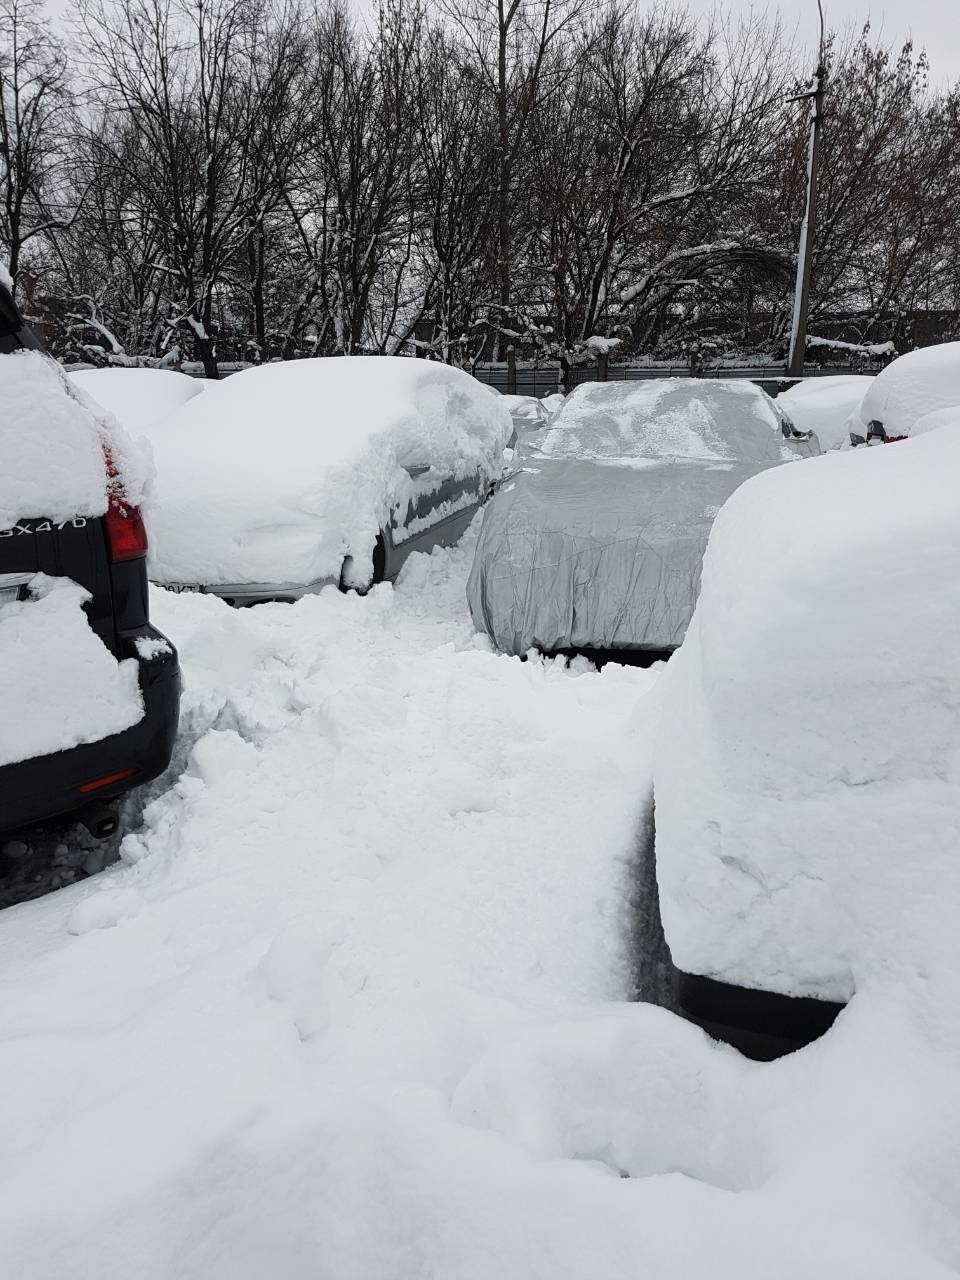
[(910, 388), (825, 405), (289, 477), (807, 795), (89, 690), (529, 413), (596, 543), (138, 398)]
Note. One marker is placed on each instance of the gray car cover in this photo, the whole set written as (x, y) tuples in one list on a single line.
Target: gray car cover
[(589, 545)]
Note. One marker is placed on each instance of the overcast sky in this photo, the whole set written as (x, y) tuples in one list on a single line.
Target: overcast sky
[(934, 24)]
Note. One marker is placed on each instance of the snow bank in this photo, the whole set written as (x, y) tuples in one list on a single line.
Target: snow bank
[(911, 387), (139, 398), (59, 684), (665, 418), (279, 472), (355, 1005), (825, 405), (808, 777), (52, 443)]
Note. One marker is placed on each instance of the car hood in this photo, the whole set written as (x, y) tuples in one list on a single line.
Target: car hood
[(580, 555)]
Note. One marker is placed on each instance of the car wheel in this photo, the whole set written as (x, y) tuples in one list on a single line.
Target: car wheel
[(347, 581)]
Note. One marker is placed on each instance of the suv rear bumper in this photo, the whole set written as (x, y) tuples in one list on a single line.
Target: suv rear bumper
[(48, 786)]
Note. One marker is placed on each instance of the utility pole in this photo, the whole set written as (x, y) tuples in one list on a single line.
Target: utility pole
[(801, 295)]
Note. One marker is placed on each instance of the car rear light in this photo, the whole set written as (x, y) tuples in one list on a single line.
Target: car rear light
[(96, 783), (126, 535)]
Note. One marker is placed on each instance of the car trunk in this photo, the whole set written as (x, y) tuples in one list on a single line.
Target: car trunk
[(74, 549)]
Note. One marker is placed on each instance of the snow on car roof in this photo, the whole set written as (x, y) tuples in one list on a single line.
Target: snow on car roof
[(665, 418), (139, 398), (51, 446), (912, 386), (278, 472)]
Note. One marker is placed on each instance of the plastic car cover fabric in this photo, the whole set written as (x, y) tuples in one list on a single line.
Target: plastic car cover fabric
[(582, 555)]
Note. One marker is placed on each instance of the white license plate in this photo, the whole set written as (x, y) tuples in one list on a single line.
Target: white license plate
[(13, 586), (181, 586)]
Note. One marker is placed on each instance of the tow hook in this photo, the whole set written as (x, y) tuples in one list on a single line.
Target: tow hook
[(100, 819)]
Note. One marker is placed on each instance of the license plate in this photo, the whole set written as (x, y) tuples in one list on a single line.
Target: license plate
[(181, 586), (13, 586)]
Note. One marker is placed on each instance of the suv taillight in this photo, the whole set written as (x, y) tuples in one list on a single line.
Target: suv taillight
[(126, 535)]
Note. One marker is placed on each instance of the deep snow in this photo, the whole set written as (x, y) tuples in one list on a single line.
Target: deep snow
[(355, 1006)]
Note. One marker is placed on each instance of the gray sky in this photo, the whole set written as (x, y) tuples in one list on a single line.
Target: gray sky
[(934, 24)]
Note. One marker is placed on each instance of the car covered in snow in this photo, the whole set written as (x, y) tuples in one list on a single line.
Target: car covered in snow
[(596, 542), (906, 392), (288, 477), (807, 778), (138, 398), (89, 690), (825, 404)]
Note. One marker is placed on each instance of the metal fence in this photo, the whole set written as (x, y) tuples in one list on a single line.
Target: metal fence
[(544, 380)]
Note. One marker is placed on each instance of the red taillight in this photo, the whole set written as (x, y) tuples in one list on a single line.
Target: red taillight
[(126, 536), (97, 783)]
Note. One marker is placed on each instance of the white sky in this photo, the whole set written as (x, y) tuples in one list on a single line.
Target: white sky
[(934, 24)]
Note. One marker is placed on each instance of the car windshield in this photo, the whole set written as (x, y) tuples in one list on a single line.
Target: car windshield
[(633, 423)]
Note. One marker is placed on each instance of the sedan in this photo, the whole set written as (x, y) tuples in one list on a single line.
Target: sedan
[(597, 542), (293, 476)]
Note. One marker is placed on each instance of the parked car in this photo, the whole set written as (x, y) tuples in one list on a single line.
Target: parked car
[(90, 691), (289, 477), (138, 398), (597, 542), (529, 413), (909, 389), (824, 405), (807, 777)]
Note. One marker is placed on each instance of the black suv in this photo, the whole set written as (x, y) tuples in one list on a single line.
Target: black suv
[(106, 556)]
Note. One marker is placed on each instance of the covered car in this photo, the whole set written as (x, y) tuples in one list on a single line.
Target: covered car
[(824, 405), (909, 389), (597, 541), (288, 477), (807, 795), (139, 398)]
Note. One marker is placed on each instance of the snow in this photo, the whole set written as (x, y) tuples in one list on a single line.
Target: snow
[(808, 776), (911, 387), (281, 471), (619, 423), (602, 346), (6, 280), (139, 398), (53, 446), (59, 684), (825, 405), (356, 1002)]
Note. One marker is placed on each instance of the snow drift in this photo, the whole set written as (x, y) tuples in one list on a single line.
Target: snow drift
[(281, 471)]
